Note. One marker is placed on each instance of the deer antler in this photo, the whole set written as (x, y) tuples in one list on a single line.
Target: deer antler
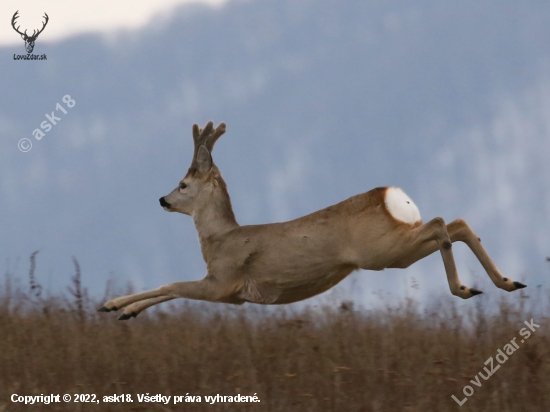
[(207, 136), (15, 16), (43, 26), (34, 33)]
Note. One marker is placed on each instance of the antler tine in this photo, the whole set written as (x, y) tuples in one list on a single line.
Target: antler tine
[(214, 136), (44, 24), (15, 17), (196, 135), (205, 133)]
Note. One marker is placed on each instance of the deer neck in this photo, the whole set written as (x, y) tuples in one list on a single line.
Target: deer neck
[(215, 218)]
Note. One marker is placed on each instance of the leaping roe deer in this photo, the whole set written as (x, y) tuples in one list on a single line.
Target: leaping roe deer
[(291, 261)]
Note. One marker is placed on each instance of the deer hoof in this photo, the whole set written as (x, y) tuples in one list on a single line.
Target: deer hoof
[(519, 285), (475, 292), (104, 309), (126, 316)]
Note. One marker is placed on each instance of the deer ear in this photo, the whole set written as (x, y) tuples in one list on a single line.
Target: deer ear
[(204, 159)]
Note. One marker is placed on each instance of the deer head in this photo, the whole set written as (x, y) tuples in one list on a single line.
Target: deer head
[(202, 190), (29, 40)]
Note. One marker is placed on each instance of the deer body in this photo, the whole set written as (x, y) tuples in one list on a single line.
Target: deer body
[(290, 261)]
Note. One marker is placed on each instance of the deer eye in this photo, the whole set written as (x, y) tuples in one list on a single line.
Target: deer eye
[(183, 185)]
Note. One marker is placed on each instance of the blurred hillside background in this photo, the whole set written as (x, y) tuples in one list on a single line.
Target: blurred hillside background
[(322, 100)]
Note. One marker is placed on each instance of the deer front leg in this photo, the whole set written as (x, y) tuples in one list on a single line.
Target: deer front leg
[(205, 289), (131, 311)]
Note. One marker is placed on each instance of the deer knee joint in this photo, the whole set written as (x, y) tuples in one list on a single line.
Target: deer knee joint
[(438, 221), (460, 222), (446, 244)]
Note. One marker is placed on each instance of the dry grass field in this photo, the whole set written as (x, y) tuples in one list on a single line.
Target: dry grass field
[(335, 358)]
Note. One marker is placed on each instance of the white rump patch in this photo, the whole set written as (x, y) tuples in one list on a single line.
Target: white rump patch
[(401, 206)]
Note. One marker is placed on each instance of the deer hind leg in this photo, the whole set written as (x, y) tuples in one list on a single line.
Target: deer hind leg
[(458, 230), (462, 232), (199, 290), (428, 238)]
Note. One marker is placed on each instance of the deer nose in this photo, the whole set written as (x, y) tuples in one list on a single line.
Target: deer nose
[(164, 203)]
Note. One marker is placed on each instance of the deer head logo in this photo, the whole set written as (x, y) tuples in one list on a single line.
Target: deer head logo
[(29, 40)]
